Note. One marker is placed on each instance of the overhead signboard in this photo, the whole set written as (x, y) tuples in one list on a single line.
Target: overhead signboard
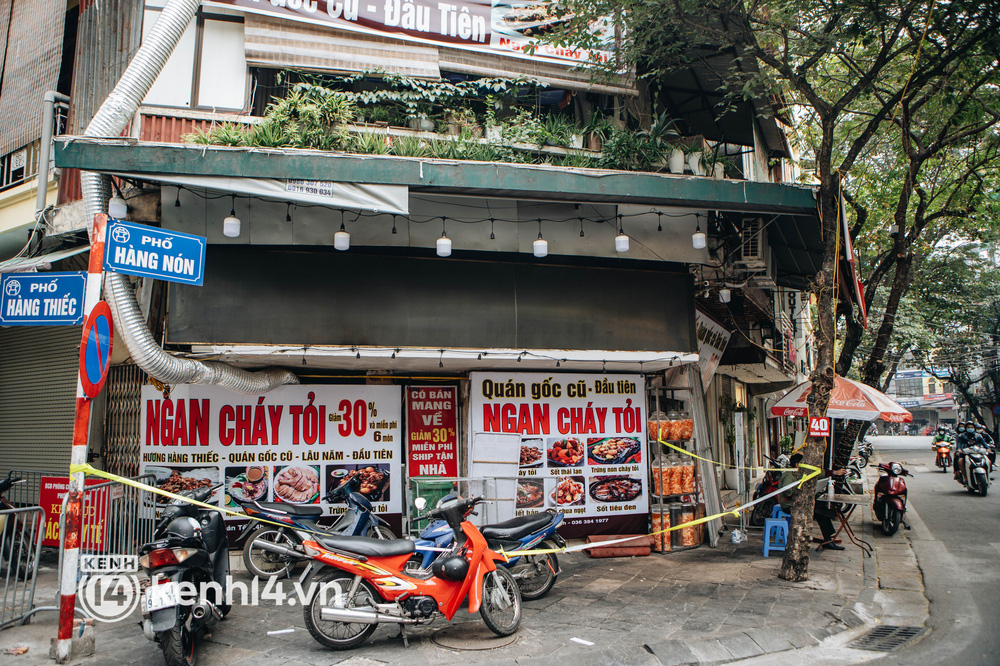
[(908, 402), (42, 299), (488, 26), (432, 431), (139, 249)]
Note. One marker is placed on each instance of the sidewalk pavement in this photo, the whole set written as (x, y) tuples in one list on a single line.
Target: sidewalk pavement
[(700, 606)]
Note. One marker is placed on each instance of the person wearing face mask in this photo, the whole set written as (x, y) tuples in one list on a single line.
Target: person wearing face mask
[(941, 436), (964, 438), (987, 442)]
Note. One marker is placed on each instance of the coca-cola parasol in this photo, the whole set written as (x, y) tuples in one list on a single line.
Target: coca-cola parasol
[(849, 400)]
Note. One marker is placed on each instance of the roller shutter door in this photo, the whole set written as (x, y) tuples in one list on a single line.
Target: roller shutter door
[(38, 374)]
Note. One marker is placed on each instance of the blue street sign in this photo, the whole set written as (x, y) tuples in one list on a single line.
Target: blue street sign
[(42, 299), (138, 249)]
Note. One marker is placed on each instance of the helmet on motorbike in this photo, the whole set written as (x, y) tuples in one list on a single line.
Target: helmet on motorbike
[(452, 567), (185, 527)]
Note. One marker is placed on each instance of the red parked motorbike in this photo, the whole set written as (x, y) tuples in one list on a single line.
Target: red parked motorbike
[(889, 502), (364, 582)]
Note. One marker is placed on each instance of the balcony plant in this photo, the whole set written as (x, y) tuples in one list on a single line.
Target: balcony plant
[(597, 129), (558, 131)]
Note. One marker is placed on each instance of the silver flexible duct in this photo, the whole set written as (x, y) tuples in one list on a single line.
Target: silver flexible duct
[(113, 116)]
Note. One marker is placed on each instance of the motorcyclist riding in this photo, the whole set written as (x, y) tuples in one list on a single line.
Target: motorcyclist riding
[(964, 438), (987, 442), (941, 436)]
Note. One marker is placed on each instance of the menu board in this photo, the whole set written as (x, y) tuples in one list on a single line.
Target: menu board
[(581, 445), (290, 445)]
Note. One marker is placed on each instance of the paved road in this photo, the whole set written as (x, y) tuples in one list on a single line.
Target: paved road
[(956, 537)]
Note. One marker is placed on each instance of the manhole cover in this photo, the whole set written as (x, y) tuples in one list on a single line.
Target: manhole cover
[(886, 638), (470, 637)]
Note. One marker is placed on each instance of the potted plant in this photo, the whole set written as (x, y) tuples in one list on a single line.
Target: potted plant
[(461, 119), (715, 162), (694, 155), (675, 160), (785, 444), (558, 131), (597, 130)]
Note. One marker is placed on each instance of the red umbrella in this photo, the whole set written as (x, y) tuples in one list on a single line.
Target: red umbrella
[(849, 400)]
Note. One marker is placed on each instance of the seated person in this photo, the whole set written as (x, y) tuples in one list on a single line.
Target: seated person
[(822, 514)]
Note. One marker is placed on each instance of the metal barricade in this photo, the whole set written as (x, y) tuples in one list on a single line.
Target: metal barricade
[(20, 548), (25, 494), (499, 491), (116, 519)]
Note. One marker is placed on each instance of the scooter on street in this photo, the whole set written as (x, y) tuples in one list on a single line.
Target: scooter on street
[(943, 457), (190, 550), (297, 522), (889, 500), (363, 582), (767, 485), (535, 574), (975, 470)]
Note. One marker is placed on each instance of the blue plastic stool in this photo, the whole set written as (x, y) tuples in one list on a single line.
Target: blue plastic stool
[(776, 512), (775, 534)]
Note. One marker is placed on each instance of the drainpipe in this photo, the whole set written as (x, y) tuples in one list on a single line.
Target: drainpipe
[(113, 116), (45, 147)]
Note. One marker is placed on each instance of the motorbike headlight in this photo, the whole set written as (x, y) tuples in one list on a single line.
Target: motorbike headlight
[(896, 468)]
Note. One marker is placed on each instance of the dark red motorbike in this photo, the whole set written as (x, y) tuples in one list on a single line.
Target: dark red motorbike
[(767, 485), (889, 501)]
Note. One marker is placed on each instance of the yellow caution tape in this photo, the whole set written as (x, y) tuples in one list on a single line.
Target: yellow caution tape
[(93, 471), (715, 462), (813, 473)]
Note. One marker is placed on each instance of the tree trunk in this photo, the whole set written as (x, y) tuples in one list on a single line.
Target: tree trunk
[(795, 564)]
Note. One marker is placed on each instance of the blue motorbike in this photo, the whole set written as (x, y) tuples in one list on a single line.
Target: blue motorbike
[(535, 574), (270, 551)]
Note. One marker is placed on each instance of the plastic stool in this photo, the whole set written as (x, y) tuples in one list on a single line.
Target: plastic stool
[(778, 513), (775, 534)]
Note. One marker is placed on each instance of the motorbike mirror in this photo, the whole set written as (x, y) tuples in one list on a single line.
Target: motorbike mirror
[(420, 503), (16, 482)]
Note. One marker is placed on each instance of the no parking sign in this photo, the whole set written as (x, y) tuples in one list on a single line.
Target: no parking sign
[(95, 349)]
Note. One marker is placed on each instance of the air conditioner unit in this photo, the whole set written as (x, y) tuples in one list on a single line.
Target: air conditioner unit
[(754, 254)]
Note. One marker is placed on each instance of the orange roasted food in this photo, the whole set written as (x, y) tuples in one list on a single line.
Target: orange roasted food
[(567, 452)]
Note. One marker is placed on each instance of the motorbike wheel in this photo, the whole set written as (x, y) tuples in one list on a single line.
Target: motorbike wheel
[(890, 523), (536, 574), (339, 635), (761, 512), (178, 646), (263, 563), (379, 532), (982, 484), (501, 606), (22, 558)]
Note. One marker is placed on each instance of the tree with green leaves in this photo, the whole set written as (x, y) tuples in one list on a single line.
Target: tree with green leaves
[(850, 66)]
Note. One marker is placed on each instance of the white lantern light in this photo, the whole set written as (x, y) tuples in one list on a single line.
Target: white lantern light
[(621, 243), (698, 238), (540, 247), (725, 295), (231, 226), (342, 239), (444, 245), (117, 207)]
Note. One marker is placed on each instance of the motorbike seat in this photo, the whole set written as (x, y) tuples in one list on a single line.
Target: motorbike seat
[(368, 547), (516, 528), (293, 509)]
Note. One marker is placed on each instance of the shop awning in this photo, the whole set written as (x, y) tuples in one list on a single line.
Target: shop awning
[(452, 360), (43, 261), (377, 198)]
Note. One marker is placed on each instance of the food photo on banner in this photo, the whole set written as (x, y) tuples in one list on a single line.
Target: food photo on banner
[(291, 445), (581, 445)]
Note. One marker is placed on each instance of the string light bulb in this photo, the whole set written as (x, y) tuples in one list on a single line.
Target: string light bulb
[(342, 239), (444, 245), (288, 213), (177, 200), (540, 247), (493, 236), (698, 238), (117, 208), (231, 225), (725, 295), (621, 240)]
